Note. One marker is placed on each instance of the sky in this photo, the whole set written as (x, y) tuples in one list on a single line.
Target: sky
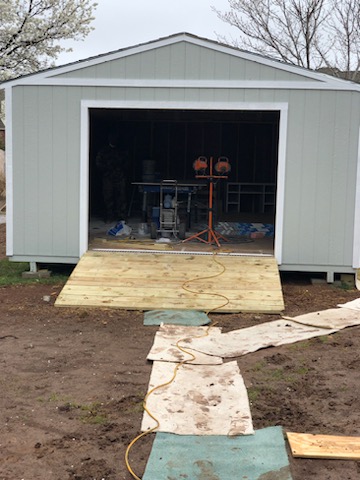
[(124, 23)]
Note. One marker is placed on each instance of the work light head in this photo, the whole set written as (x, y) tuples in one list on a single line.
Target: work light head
[(200, 165), (222, 166)]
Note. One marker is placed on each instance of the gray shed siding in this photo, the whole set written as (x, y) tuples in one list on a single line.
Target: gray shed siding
[(184, 61), (46, 171), (322, 142), (320, 182)]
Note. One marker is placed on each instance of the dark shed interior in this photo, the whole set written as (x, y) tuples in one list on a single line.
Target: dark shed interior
[(173, 139)]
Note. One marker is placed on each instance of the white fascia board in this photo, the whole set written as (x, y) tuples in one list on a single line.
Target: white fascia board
[(9, 174), (211, 84)]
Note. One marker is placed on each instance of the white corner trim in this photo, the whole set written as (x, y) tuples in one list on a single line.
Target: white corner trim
[(9, 174), (356, 247), (280, 185), (84, 181)]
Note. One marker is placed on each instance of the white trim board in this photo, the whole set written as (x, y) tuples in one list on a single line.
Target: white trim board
[(211, 84), (9, 175), (86, 105), (356, 246)]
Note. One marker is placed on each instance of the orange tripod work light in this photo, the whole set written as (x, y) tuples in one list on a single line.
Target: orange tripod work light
[(201, 165)]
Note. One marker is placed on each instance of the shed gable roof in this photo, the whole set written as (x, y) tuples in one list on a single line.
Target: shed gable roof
[(183, 58)]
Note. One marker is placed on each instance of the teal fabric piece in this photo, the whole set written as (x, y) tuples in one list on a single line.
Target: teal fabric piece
[(176, 317), (251, 457)]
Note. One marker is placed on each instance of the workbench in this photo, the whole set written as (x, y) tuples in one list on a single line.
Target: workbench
[(183, 188)]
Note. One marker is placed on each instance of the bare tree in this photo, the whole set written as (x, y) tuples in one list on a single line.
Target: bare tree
[(344, 25), (30, 32), (310, 33)]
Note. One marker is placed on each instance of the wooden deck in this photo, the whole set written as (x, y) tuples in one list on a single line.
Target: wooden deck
[(148, 280)]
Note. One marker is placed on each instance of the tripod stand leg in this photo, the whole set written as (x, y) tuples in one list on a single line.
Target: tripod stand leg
[(197, 236)]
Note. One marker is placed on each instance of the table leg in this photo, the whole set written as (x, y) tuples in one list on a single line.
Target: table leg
[(188, 211), (144, 206)]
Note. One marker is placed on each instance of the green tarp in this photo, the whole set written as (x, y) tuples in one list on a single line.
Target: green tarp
[(176, 317), (254, 457)]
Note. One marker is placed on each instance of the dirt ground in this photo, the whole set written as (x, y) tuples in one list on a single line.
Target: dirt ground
[(72, 384)]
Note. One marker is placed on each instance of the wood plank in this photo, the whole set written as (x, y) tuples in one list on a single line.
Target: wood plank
[(148, 281), (324, 446), (148, 260), (148, 303), (185, 276), (153, 291)]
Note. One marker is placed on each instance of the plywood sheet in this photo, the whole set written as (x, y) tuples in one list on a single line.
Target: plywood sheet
[(352, 305), (324, 446), (332, 318), (247, 340), (148, 281), (168, 337), (202, 400)]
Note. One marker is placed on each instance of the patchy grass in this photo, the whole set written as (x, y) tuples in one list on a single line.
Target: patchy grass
[(259, 366), (11, 274), (300, 345), (324, 339), (137, 405), (301, 370), (92, 413), (286, 375), (253, 394)]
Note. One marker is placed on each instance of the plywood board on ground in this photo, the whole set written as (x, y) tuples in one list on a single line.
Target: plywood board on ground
[(201, 400), (324, 446), (148, 281)]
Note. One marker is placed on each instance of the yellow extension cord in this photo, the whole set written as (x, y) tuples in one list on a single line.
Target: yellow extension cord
[(158, 387)]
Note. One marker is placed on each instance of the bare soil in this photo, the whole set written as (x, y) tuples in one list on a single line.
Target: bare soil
[(72, 383)]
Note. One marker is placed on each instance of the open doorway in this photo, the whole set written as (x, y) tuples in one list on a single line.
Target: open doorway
[(163, 144)]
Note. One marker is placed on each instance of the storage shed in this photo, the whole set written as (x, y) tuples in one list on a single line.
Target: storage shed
[(291, 135)]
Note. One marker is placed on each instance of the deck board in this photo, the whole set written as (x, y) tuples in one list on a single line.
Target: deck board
[(148, 281)]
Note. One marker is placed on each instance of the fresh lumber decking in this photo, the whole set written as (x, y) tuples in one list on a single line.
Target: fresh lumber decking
[(324, 446), (149, 281)]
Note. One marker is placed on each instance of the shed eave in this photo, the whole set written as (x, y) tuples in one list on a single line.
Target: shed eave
[(203, 84)]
